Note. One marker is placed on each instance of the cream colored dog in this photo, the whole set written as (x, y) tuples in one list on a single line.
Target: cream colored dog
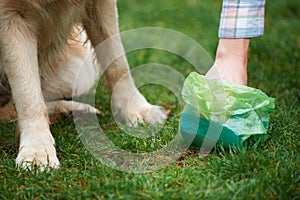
[(43, 47)]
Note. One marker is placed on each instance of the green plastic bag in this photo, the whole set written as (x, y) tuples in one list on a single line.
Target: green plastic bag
[(223, 112)]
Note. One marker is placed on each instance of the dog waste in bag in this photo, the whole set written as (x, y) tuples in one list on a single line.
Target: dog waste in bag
[(235, 112)]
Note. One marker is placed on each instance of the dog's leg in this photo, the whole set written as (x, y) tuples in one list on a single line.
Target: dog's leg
[(19, 51), (128, 103), (67, 107)]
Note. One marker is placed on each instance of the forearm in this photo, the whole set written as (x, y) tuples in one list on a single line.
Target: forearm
[(233, 48), (231, 61), (240, 21)]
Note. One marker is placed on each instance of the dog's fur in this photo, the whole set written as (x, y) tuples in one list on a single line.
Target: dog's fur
[(42, 49)]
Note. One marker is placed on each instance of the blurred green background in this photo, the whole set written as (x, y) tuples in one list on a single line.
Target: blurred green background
[(268, 170)]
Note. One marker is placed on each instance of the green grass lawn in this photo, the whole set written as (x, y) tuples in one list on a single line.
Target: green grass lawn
[(265, 170)]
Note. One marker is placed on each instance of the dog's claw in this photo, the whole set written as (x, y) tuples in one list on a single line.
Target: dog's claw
[(37, 153), (29, 160), (156, 115), (153, 115)]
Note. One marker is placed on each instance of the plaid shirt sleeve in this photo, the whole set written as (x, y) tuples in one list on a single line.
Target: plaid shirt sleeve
[(242, 19)]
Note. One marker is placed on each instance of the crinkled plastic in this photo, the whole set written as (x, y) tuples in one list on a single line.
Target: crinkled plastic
[(223, 112)]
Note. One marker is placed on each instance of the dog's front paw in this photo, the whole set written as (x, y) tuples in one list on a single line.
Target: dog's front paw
[(152, 115), (137, 110), (37, 152)]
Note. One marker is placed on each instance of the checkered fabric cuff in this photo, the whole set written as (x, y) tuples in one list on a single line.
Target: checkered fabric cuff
[(242, 19)]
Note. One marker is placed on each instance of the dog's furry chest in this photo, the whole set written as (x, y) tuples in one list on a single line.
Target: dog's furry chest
[(56, 25)]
